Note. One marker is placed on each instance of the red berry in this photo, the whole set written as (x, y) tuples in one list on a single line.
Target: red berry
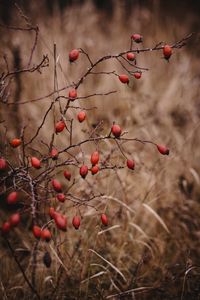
[(72, 94), (67, 175), (60, 125), (116, 130), (137, 38), (46, 235), (163, 149), (167, 51), (76, 222), (51, 212), (15, 143), (94, 170), (81, 116), (73, 55), (83, 171), (6, 227), (137, 75), (12, 198), (61, 197), (15, 219), (130, 164), (56, 185), (61, 221), (104, 219), (94, 158), (54, 153), (35, 162), (37, 231), (130, 56), (3, 164), (124, 78)]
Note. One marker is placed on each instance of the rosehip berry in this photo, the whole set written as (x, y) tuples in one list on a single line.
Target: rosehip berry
[(73, 55), (37, 231), (116, 130), (137, 38), (61, 197), (67, 175), (167, 51), (59, 127), (15, 219), (56, 185), (46, 235), (124, 78), (72, 94), (35, 162), (94, 158), (6, 227), (51, 212), (60, 221), (94, 170), (3, 164), (83, 171), (81, 116), (54, 153), (130, 164), (163, 149), (12, 198), (15, 143), (137, 75), (104, 219), (130, 56), (76, 222)]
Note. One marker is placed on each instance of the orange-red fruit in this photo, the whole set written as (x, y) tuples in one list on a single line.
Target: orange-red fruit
[(12, 198), (167, 51), (3, 164), (6, 227), (15, 219), (35, 162), (83, 171), (94, 158), (76, 222), (94, 170), (124, 78), (54, 153), (46, 235), (56, 185), (67, 175), (137, 38), (73, 55), (15, 143), (116, 130), (130, 164), (61, 197), (130, 56), (137, 75), (104, 219), (37, 231), (72, 94), (51, 212), (59, 127), (61, 221), (163, 149), (81, 116)]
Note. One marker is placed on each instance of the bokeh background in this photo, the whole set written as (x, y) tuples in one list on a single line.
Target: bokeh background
[(154, 211)]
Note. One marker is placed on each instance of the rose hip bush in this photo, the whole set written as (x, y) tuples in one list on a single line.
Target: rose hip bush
[(33, 186)]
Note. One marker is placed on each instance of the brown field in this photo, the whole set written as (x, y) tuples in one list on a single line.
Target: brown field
[(150, 250)]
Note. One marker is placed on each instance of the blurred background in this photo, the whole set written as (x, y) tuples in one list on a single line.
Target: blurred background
[(155, 210)]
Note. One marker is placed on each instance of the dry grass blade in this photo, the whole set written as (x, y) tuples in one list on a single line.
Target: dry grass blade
[(158, 218), (58, 258), (109, 263), (108, 229), (139, 229), (120, 202), (94, 276), (136, 290)]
